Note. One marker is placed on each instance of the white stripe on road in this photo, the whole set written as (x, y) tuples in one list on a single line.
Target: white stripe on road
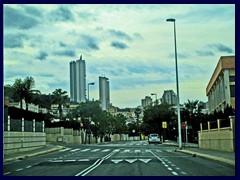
[(174, 173), (64, 150), (19, 169), (84, 150), (126, 150), (105, 150), (137, 150), (95, 150)]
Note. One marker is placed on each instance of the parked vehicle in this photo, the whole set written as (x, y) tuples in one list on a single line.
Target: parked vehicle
[(154, 138)]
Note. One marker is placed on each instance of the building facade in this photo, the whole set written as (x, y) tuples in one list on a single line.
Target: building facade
[(147, 101), (169, 97), (104, 93), (78, 80), (221, 87)]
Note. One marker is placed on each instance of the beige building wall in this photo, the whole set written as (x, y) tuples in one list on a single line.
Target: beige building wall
[(221, 87)]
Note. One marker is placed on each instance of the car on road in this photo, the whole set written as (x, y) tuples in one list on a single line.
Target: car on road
[(154, 138)]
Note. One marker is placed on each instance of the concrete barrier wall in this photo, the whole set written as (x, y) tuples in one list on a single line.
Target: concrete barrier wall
[(222, 139), (23, 141)]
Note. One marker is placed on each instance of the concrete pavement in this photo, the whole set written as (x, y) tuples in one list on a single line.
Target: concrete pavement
[(190, 148)]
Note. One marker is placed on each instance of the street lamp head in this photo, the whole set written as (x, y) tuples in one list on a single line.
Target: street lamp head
[(170, 20), (91, 83), (153, 94)]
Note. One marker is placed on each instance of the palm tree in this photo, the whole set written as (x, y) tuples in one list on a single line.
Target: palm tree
[(28, 84), (60, 98)]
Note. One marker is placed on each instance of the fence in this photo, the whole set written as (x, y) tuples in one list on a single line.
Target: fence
[(218, 135), (21, 135)]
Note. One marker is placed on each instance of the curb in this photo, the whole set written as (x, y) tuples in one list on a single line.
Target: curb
[(34, 154), (208, 156)]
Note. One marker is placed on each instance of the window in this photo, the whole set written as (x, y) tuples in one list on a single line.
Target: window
[(232, 78), (232, 90)]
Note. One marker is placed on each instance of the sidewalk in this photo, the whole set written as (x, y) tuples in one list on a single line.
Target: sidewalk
[(192, 149), (25, 154)]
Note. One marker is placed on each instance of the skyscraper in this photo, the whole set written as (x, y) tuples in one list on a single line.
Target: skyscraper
[(169, 97), (104, 94), (78, 80)]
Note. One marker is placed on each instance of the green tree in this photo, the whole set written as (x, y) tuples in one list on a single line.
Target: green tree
[(28, 85), (61, 98), (18, 93)]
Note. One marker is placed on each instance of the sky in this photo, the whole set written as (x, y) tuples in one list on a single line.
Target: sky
[(131, 44)]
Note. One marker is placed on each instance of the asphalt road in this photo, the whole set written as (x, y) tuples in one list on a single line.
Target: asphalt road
[(136, 158)]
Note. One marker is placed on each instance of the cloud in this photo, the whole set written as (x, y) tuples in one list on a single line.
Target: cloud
[(69, 53), (118, 45), (42, 55), (221, 48), (15, 18), (120, 34), (61, 14), (88, 42), (205, 53), (14, 40), (62, 44)]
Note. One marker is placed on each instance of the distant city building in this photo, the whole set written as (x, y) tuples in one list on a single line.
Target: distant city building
[(146, 101), (221, 87), (104, 93), (31, 107), (78, 80), (169, 97)]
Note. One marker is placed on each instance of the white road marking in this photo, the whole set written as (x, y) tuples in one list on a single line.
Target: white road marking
[(83, 160), (7, 173), (28, 167), (137, 150), (174, 173), (73, 150), (117, 160), (126, 150), (105, 150), (70, 160), (84, 150), (145, 160), (64, 150), (95, 150), (130, 160), (19, 169)]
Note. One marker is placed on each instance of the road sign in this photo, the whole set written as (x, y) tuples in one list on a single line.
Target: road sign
[(164, 124)]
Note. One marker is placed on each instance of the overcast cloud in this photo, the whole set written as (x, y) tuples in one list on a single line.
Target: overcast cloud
[(132, 45)]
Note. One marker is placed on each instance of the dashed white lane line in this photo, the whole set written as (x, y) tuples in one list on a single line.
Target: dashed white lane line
[(7, 173), (174, 173), (19, 169)]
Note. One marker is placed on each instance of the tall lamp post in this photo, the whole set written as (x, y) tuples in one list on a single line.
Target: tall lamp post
[(88, 88), (178, 108), (155, 97)]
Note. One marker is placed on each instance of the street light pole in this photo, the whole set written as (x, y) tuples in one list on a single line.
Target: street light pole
[(178, 101), (88, 88)]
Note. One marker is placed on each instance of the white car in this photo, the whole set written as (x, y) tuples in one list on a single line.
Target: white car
[(154, 138)]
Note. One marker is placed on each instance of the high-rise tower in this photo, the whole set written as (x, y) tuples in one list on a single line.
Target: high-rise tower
[(78, 80), (104, 93)]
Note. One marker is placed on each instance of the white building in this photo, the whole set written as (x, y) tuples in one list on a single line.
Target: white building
[(146, 101), (104, 93), (78, 80), (169, 97)]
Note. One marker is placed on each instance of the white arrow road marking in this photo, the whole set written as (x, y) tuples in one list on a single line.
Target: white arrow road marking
[(117, 160), (130, 160), (145, 160)]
